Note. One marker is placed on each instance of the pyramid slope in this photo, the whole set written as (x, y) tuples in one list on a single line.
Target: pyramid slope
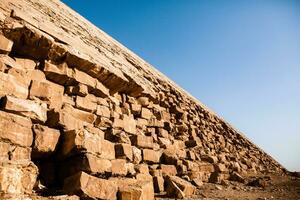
[(77, 81)]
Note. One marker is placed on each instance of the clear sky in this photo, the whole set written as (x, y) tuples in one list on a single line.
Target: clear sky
[(240, 58)]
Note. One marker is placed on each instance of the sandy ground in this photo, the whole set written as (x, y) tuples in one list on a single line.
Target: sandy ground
[(271, 187)]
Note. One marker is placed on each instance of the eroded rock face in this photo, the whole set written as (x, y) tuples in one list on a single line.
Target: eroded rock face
[(90, 118)]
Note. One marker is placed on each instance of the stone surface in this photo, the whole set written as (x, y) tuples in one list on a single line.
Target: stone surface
[(17, 179), (179, 188), (45, 140), (90, 186), (34, 109), (15, 129), (5, 44), (15, 87)]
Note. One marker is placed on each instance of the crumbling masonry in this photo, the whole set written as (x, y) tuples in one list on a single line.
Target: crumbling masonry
[(82, 115)]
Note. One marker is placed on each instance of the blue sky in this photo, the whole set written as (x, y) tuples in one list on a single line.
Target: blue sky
[(240, 58)]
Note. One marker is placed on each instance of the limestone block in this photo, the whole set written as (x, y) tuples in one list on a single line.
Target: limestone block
[(47, 91), (103, 111), (179, 188), (81, 140), (79, 90), (118, 167), (5, 44), (45, 140), (142, 141), (15, 129), (137, 155), (141, 190), (26, 64), (168, 170), (136, 109), (17, 179), (88, 163), (65, 120), (124, 151), (14, 153), (151, 156), (79, 114), (15, 87), (158, 184), (108, 150), (129, 124), (146, 113), (87, 103), (34, 109), (90, 187)]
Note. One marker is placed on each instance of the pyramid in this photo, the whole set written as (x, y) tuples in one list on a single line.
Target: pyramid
[(82, 115)]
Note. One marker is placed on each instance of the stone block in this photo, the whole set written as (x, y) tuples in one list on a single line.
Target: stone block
[(45, 140), (14, 153), (142, 141), (5, 44), (158, 184), (139, 190), (87, 103), (17, 179), (90, 187), (137, 155), (81, 140), (103, 111), (33, 109), (108, 150), (168, 170), (88, 163), (47, 91), (15, 87), (78, 90), (124, 151), (118, 167), (15, 129), (178, 188), (129, 124), (151, 156), (26, 64), (146, 113), (79, 114)]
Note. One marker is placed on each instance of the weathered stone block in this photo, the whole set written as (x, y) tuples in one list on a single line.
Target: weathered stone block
[(158, 183), (146, 113), (33, 109), (179, 188), (79, 90), (168, 170), (108, 150), (47, 91), (17, 179), (15, 129), (90, 187), (119, 167), (15, 87), (151, 156), (45, 140), (140, 190), (5, 44), (103, 111), (14, 153), (124, 151), (137, 155), (26, 64), (87, 103), (81, 140), (142, 141)]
